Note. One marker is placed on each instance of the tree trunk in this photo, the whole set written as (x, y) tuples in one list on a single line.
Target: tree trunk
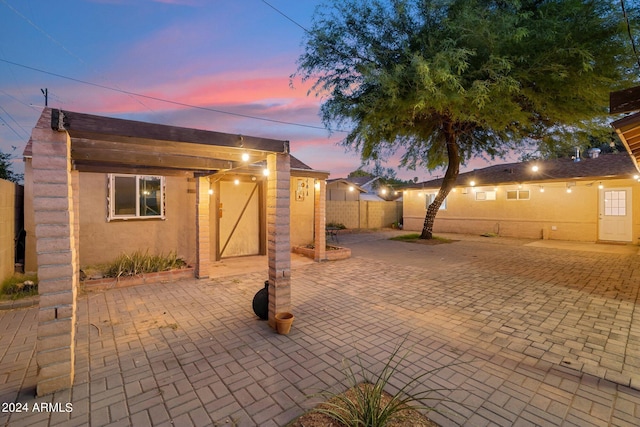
[(450, 176)]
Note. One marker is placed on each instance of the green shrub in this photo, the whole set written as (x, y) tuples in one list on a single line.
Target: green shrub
[(365, 405), (14, 287), (337, 225), (141, 262)]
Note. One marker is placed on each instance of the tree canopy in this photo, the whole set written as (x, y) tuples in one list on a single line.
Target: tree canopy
[(5, 169), (442, 81)]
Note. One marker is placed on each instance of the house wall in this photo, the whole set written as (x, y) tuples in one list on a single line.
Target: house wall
[(102, 241), (552, 214), (7, 227), (302, 210), (363, 214)]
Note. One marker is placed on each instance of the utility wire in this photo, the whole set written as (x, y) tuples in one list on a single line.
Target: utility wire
[(154, 98), (286, 16), (53, 40)]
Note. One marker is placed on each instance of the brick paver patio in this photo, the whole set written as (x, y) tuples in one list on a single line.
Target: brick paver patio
[(524, 335)]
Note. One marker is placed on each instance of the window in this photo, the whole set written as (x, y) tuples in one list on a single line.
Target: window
[(518, 195), (615, 203), (135, 197), (485, 195), (431, 197)]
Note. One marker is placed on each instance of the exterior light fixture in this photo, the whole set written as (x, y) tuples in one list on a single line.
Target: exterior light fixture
[(210, 191), (541, 189), (317, 185), (265, 172), (383, 191), (236, 181), (600, 186), (419, 194), (472, 183), (351, 188), (245, 157), (535, 168)]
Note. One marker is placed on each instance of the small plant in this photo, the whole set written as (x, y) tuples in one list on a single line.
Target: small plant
[(366, 404), (337, 225), (19, 286), (141, 262)]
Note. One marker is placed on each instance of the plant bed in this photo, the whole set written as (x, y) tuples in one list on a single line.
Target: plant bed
[(138, 268), (333, 253), (169, 276), (409, 417), (415, 238)]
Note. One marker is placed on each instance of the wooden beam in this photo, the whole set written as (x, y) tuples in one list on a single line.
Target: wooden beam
[(624, 101), (166, 148), (128, 169), (150, 158), (97, 127)]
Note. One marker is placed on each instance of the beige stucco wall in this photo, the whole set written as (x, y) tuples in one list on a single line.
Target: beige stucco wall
[(30, 260), (552, 214), (7, 228), (102, 241), (302, 211)]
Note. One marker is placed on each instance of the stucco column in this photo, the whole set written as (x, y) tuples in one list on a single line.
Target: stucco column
[(56, 254), (278, 234), (203, 229), (320, 220)]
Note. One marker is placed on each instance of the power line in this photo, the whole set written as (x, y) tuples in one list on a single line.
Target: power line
[(182, 104), (286, 16), (62, 46)]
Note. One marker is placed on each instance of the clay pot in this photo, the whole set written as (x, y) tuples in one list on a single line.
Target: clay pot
[(283, 322)]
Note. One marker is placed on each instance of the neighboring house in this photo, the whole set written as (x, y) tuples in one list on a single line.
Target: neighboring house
[(590, 199), (354, 203), (97, 186), (344, 190)]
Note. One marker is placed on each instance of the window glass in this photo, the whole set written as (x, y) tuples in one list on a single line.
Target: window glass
[(125, 195), (135, 196)]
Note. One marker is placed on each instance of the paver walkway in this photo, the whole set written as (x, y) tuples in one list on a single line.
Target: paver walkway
[(523, 335)]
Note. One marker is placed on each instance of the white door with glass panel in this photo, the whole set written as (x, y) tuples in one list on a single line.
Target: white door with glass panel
[(615, 215)]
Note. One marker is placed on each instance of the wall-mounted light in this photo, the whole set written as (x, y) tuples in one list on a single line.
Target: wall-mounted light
[(351, 188), (236, 181), (569, 185), (265, 172), (541, 189), (245, 157), (317, 185), (535, 168), (600, 186), (383, 191), (472, 183)]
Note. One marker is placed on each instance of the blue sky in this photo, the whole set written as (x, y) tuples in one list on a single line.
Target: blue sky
[(234, 56)]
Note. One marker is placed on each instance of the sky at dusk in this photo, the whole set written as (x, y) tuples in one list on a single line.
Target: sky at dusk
[(231, 56)]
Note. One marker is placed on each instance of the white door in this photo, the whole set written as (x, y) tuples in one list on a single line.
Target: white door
[(615, 215)]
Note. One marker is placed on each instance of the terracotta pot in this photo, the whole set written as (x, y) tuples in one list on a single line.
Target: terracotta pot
[(283, 322)]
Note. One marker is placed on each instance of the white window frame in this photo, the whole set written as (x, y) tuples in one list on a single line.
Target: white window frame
[(485, 196), (519, 194), (431, 197), (111, 214)]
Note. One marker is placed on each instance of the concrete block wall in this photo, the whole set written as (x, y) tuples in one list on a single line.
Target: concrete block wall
[(364, 213), (53, 205), (278, 235)]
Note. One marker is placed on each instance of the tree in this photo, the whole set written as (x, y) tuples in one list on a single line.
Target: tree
[(5, 169), (442, 81)]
